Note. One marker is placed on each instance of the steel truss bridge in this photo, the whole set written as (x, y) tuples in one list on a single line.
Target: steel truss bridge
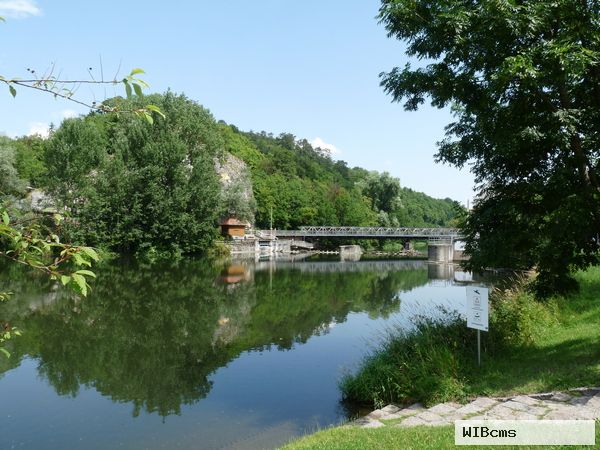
[(430, 234)]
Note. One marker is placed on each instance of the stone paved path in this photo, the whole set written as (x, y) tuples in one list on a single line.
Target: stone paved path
[(583, 403)]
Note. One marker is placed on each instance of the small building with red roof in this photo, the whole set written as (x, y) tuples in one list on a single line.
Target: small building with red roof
[(233, 228)]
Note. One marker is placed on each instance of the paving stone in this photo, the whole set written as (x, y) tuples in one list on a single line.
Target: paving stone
[(553, 405), (375, 414), (522, 415), (582, 403), (402, 413), (526, 400), (484, 402), (561, 397), (579, 400), (373, 424), (560, 414), (501, 411), (594, 402), (429, 416), (437, 423), (412, 421), (471, 408), (360, 422), (536, 411), (444, 408), (390, 409), (515, 405), (417, 406), (586, 413), (454, 416), (588, 392)]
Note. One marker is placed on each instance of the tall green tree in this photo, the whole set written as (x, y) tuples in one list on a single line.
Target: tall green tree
[(29, 159), (10, 182), (135, 186), (523, 81)]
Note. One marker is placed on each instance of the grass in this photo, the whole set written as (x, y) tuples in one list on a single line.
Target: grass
[(531, 347), (422, 438)]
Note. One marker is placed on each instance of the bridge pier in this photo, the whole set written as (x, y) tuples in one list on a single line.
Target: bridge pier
[(440, 251)]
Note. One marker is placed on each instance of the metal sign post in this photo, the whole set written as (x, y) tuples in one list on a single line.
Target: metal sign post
[(477, 313), (478, 347)]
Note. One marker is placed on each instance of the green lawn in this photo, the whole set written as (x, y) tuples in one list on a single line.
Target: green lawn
[(393, 438), (564, 354)]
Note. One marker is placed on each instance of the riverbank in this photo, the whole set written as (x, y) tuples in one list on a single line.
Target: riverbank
[(390, 437), (531, 347)]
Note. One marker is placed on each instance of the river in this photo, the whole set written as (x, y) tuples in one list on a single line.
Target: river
[(193, 354)]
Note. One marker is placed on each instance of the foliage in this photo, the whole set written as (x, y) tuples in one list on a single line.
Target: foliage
[(31, 243), (383, 190), (523, 81), (29, 159), (436, 362), (297, 185), (133, 186), (423, 366), (10, 183)]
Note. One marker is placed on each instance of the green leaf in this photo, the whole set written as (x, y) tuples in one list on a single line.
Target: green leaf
[(65, 279), (6, 352), (90, 252), (12, 90), (127, 89), (136, 71), (156, 109), (149, 118), (5, 218), (138, 90), (81, 283), (88, 273)]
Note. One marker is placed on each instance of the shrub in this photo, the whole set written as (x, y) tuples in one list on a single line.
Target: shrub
[(433, 363)]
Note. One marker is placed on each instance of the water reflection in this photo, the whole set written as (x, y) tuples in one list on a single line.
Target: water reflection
[(155, 336)]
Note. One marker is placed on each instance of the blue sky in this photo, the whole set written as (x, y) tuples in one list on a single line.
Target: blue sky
[(306, 67)]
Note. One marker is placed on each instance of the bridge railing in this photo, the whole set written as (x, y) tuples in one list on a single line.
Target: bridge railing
[(364, 232)]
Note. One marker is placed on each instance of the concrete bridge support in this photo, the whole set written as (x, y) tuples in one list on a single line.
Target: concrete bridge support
[(350, 252), (440, 252)]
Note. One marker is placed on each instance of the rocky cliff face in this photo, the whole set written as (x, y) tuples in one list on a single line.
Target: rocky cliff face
[(237, 198)]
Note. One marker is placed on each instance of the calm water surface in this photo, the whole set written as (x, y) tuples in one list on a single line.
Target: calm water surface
[(198, 355)]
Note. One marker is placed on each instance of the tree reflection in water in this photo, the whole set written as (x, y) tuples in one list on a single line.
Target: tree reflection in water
[(153, 335)]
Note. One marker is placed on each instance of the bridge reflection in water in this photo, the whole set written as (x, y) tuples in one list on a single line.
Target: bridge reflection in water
[(441, 274)]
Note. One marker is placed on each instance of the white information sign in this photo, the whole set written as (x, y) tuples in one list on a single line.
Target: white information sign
[(477, 308)]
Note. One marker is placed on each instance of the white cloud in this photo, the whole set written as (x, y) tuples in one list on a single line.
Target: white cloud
[(68, 114), (318, 142), (19, 9), (40, 128)]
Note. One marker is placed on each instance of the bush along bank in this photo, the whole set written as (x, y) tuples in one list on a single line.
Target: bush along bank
[(532, 346)]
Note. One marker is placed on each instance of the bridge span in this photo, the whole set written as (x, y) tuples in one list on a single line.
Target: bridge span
[(406, 233), (440, 240)]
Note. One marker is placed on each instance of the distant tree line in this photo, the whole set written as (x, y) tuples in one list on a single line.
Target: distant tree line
[(302, 185), (131, 186)]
